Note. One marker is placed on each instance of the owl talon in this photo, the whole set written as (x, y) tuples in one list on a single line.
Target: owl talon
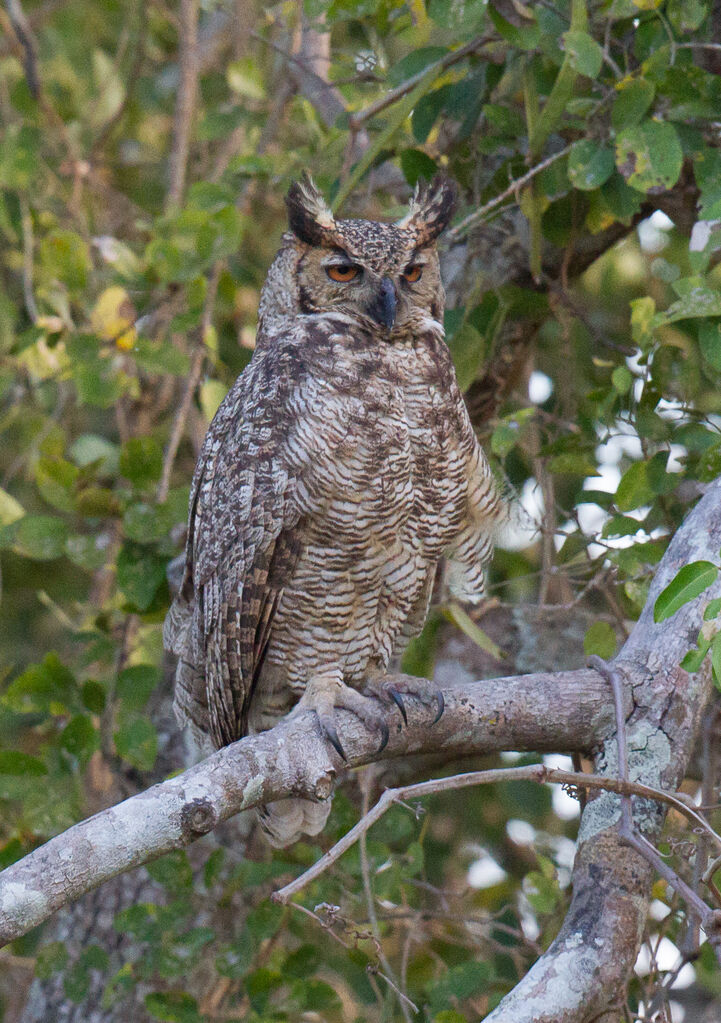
[(331, 735), (398, 700), (441, 707)]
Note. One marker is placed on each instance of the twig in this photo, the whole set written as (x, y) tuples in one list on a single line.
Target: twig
[(26, 39), (474, 218), (26, 221), (404, 1000), (185, 106), (530, 772), (389, 975), (357, 120), (196, 367)]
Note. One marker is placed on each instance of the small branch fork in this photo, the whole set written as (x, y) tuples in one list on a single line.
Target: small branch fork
[(710, 919), (530, 772)]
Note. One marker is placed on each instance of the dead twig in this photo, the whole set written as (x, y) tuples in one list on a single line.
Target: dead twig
[(457, 232), (357, 120), (531, 772)]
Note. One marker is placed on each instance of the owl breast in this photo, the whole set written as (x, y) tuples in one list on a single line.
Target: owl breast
[(362, 582)]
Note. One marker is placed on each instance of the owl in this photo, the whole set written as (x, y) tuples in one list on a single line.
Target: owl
[(338, 471)]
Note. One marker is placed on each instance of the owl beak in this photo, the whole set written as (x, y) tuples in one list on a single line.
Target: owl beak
[(383, 306)]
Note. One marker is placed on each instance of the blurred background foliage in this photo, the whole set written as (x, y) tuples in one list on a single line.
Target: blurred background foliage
[(145, 150)]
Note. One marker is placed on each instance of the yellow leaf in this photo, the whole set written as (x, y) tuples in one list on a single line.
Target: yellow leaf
[(113, 317), (10, 509)]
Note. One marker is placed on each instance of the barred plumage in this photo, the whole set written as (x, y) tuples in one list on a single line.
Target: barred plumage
[(337, 472)]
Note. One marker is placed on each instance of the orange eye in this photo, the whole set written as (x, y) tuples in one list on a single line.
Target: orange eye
[(343, 272), (413, 273)]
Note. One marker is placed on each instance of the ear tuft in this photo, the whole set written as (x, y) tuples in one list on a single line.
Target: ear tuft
[(430, 209), (309, 217)]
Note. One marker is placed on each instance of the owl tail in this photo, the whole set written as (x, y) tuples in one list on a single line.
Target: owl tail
[(288, 820)]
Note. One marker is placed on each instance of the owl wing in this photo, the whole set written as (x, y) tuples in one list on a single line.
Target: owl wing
[(267, 462)]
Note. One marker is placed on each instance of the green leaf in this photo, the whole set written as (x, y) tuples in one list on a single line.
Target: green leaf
[(136, 684), (147, 522), (93, 696), (173, 1007), (468, 348), (417, 165), (686, 15), (697, 302), (524, 37), (689, 582), (693, 659), (88, 552), (140, 574), (716, 659), (600, 639), (458, 16), (633, 98), (713, 610), (584, 53), (137, 742), (141, 461), (622, 379), (709, 339), (459, 982), (172, 870), (649, 156), (21, 764), (56, 481), (415, 62), (39, 537), (160, 357), (80, 738), (573, 464), (589, 165), (65, 256), (91, 449), (48, 686), (643, 481), (245, 78), (50, 959)]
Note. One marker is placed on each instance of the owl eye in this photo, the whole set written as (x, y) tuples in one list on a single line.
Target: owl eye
[(413, 273), (343, 272)]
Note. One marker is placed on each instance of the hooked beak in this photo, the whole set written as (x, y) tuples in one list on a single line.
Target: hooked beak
[(383, 306)]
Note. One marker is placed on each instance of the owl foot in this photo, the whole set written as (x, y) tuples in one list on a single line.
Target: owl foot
[(421, 688), (327, 693)]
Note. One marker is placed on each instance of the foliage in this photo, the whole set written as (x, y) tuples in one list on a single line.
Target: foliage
[(112, 296)]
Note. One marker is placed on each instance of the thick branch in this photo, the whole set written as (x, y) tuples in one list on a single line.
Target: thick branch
[(586, 968), (567, 711)]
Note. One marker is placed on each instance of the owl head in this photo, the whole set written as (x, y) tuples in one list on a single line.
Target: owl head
[(384, 273)]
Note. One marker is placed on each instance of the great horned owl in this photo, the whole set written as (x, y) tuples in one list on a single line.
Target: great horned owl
[(338, 471)]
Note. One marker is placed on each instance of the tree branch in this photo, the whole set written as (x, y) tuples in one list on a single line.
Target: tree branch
[(568, 710), (589, 962), (587, 966)]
